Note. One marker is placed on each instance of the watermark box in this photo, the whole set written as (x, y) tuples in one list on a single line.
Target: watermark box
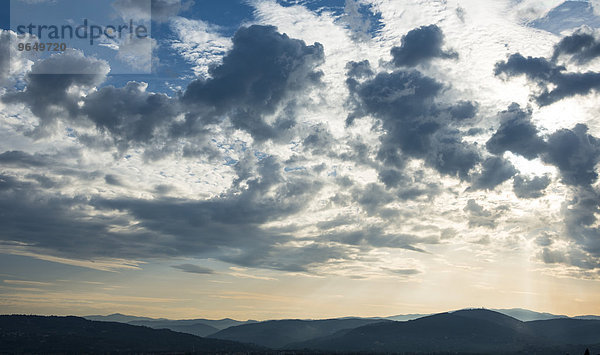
[(116, 31)]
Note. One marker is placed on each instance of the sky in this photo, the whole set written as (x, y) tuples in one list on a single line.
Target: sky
[(264, 159)]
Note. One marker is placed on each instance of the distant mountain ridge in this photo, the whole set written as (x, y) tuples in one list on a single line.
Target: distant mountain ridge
[(518, 313), (53, 335), (199, 327), (207, 327), (279, 333), (466, 331)]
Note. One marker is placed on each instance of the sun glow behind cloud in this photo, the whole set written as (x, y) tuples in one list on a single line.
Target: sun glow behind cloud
[(269, 202)]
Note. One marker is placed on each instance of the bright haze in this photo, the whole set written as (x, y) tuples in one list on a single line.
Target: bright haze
[(309, 159)]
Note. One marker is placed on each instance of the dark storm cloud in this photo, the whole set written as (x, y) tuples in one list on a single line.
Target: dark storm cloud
[(419, 46), (407, 186), (359, 70), (44, 181), (570, 84), (130, 114), (48, 95), (494, 171), (391, 177), (582, 47), (405, 103), (227, 227), (451, 156), (9, 183), (194, 269), (534, 68), (516, 134), (401, 96), (19, 158), (416, 124), (553, 81), (56, 224), (464, 110), (530, 188), (261, 72), (575, 153)]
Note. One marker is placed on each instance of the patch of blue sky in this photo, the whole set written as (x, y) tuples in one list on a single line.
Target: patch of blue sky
[(334, 6), (261, 155), (5, 15), (374, 18), (338, 8), (228, 15), (229, 161), (94, 28)]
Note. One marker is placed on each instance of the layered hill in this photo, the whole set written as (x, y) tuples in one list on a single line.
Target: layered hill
[(38, 334), (465, 331), (200, 327), (277, 334)]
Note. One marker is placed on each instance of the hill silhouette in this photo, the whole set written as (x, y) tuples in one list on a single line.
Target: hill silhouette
[(38, 334), (465, 331), (200, 327), (279, 333)]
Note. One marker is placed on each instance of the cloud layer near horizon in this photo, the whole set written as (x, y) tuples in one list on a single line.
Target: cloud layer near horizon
[(296, 157)]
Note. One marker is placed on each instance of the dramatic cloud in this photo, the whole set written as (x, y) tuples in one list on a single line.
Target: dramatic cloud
[(261, 71), (414, 124), (227, 227), (256, 148), (516, 134), (21, 159), (133, 114), (258, 76), (51, 96), (575, 153), (554, 83), (582, 46), (419, 46), (494, 172)]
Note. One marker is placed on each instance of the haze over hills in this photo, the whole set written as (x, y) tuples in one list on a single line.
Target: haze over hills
[(460, 332), (465, 331), (207, 327), (49, 335), (199, 327), (279, 333), (518, 313)]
